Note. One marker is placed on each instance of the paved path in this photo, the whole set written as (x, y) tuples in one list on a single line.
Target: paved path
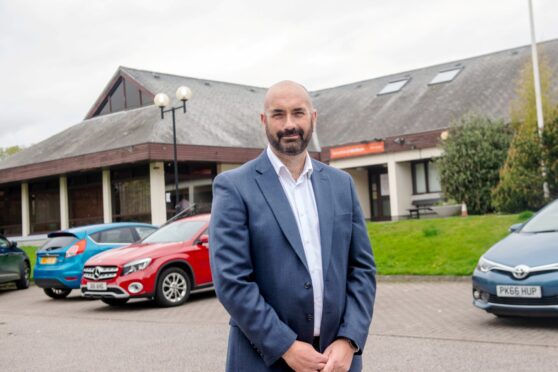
[(418, 326)]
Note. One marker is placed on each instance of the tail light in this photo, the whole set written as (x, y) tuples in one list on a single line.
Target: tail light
[(76, 249)]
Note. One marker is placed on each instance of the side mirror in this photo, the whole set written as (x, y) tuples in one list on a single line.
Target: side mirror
[(515, 228), (14, 244), (204, 239)]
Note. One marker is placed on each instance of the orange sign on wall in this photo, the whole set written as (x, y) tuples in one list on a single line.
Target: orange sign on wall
[(356, 150)]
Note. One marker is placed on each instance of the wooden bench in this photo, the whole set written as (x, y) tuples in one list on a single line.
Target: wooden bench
[(421, 205)]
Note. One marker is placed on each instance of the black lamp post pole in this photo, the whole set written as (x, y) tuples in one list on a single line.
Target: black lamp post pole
[(172, 109), (175, 161)]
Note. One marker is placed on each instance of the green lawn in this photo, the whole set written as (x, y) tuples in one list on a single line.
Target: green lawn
[(31, 252), (448, 246)]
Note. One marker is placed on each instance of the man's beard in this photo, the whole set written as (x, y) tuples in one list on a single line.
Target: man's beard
[(291, 147)]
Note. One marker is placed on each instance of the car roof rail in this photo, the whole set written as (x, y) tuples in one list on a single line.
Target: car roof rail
[(192, 210)]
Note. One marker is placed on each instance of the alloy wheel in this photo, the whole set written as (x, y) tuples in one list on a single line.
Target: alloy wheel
[(174, 287)]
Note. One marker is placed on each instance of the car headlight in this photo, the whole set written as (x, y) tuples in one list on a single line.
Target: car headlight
[(138, 265), (485, 265)]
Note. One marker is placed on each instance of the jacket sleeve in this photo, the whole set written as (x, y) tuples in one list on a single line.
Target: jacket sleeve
[(361, 281), (231, 267)]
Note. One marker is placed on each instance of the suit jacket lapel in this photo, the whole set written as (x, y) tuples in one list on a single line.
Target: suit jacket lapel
[(274, 194), (323, 195)]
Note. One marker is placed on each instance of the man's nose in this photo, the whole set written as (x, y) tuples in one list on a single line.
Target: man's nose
[(290, 123)]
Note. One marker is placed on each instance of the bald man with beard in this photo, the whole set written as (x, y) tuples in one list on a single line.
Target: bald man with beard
[(290, 254)]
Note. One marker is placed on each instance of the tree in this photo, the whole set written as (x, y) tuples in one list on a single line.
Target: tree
[(8, 151), (474, 152), (521, 180), (550, 155)]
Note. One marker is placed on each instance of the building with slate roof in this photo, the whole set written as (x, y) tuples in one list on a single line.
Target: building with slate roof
[(116, 165)]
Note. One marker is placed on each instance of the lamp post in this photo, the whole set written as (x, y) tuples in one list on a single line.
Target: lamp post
[(538, 99), (162, 101)]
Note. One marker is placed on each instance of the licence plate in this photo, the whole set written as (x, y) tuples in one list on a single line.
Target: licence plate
[(97, 286), (48, 260), (518, 291)]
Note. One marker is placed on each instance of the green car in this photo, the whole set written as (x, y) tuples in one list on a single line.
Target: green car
[(14, 264)]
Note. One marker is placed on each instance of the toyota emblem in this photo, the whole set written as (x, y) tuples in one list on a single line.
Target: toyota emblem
[(521, 271)]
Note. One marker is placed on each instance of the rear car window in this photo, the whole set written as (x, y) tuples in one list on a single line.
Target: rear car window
[(115, 236), (58, 242), (144, 231)]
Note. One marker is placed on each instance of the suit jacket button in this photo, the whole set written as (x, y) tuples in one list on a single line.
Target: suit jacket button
[(307, 285)]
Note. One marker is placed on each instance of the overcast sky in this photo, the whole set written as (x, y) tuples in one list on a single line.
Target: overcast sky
[(57, 56)]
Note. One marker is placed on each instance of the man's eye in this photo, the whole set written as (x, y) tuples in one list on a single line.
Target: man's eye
[(299, 114), (276, 115)]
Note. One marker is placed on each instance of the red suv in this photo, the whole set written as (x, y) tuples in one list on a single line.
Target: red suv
[(165, 266)]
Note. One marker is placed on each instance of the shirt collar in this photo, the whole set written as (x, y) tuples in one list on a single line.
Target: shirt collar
[(278, 164)]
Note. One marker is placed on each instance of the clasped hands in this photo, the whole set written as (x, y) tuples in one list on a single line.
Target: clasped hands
[(337, 357)]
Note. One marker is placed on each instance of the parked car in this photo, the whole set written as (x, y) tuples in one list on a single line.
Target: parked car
[(163, 267), (518, 276), (14, 264), (61, 258)]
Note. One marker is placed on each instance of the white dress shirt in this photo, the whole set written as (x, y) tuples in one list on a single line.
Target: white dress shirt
[(300, 194)]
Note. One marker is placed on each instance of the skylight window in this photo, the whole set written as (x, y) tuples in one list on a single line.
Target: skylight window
[(446, 76), (394, 86)]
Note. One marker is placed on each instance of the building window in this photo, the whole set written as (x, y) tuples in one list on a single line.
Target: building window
[(394, 86), (85, 198), (426, 178), (194, 185), (133, 97), (446, 76), (131, 198), (45, 206), (124, 96), (117, 99), (10, 207)]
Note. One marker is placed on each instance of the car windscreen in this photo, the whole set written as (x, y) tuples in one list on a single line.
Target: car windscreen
[(58, 242), (544, 221), (178, 231)]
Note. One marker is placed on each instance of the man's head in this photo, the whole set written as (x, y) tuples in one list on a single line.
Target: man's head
[(288, 117)]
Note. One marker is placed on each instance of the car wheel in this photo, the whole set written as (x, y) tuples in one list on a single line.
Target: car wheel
[(114, 301), (173, 287), (57, 293), (24, 280)]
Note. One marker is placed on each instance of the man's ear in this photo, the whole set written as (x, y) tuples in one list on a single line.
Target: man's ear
[(314, 116), (263, 119)]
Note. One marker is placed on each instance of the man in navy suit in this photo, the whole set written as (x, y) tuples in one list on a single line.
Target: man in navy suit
[(290, 254)]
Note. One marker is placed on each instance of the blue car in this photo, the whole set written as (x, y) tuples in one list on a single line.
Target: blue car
[(518, 276), (61, 259)]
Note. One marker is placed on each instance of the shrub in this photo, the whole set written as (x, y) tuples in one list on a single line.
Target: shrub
[(525, 215), (521, 179), (550, 155), (474, 152)]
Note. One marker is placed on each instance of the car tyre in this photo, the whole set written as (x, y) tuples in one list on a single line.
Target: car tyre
[(25, 279), (57, 293), (173, 287), (114, 301)]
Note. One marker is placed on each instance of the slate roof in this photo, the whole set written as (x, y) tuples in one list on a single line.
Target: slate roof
[(487, 84), (219, 114), (227, 115)]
